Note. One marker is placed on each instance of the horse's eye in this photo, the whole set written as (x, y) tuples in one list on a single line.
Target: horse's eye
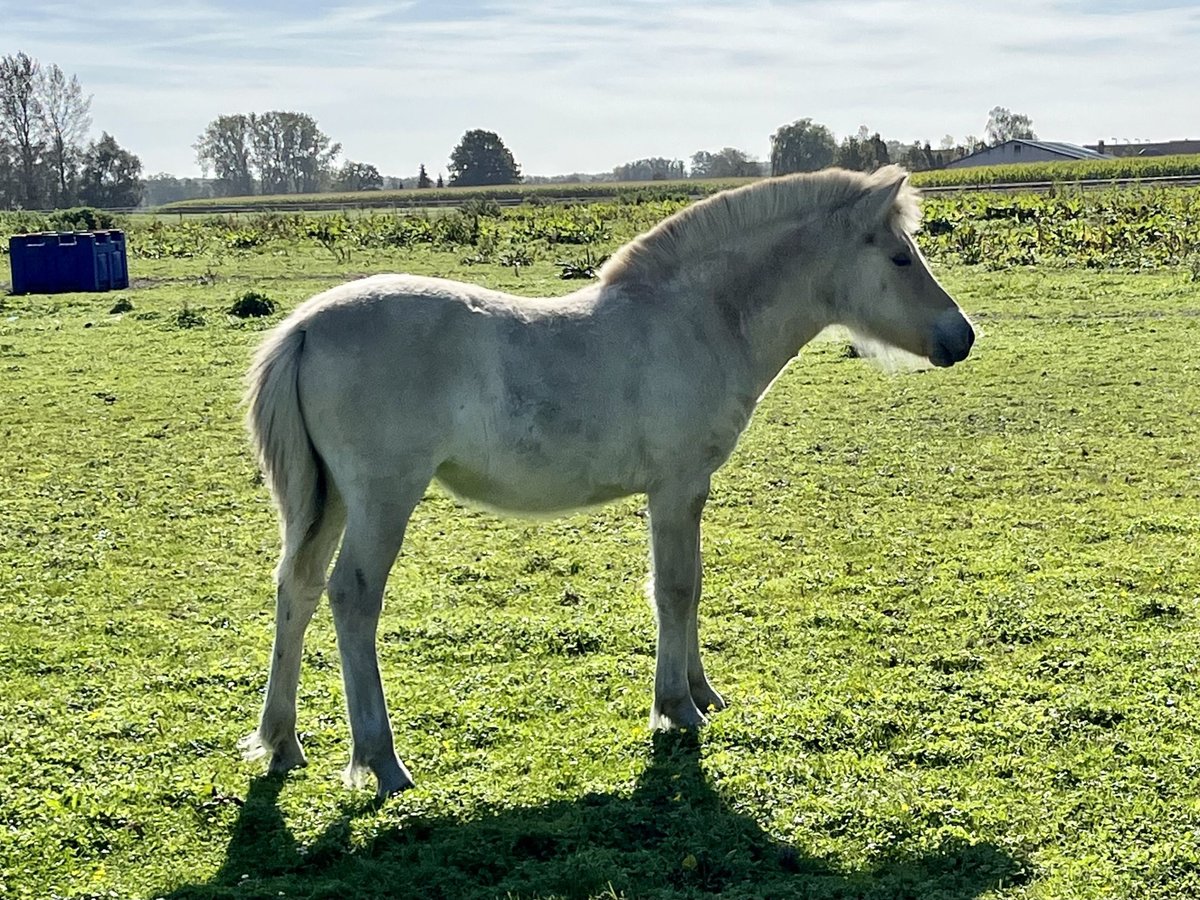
[(902, 259)]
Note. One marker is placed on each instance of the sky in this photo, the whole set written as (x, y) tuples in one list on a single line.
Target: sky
[(573, 86)]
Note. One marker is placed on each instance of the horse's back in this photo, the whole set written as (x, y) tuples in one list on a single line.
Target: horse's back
[(387, 307)]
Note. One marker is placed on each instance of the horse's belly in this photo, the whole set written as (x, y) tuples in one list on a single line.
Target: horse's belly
[(534, 490)]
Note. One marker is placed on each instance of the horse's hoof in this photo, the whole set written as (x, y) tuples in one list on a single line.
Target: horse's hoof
[(252, 747), (283, 758), (706, 697), (390, 779), (676, 716), (393, 788), (393, 781), (284, 761)]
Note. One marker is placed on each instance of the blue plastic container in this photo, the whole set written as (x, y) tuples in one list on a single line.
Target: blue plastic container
[(58, 262)]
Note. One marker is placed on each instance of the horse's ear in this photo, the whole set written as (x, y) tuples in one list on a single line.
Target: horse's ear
[(886, 186)]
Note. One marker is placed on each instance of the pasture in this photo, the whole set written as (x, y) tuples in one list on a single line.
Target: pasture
[(955, 613)]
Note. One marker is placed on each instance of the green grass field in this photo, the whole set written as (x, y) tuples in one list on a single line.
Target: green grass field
[(955, 614)]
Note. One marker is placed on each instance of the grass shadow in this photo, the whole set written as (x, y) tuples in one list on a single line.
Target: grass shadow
[(672, 837)]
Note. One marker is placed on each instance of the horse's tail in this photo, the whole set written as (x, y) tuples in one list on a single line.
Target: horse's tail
[(289, 461)]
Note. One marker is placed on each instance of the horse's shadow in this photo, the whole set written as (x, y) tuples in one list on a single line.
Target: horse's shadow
[(672, 837)]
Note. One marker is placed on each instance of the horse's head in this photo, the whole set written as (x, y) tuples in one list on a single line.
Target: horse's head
[(885, 291)]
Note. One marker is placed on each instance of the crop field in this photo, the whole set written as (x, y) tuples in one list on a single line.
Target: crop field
[(1114, 229), (1129, 167), (598, 191), (956, 613), (1067, 172)]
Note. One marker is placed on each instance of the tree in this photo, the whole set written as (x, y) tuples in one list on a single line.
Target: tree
[(423, 178), (803, 146), (225, 149), (480, 159), (918, 157), (879, 152), (291, 153), (440, 183), (21, 122), (66, 119), (10, 182), (1005, 125), (284, 151), (702, 165), (654, 168), (44, 118), (726, 163), (850, 155), (865, 152), (111, 176), (356, 176)]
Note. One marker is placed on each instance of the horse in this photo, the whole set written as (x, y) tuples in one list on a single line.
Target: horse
[(638, 383)]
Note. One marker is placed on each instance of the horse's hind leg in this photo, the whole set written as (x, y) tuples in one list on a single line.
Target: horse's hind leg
[(300, 580), (376, 522)]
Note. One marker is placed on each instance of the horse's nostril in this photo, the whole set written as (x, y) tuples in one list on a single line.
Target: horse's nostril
[(953, 338)]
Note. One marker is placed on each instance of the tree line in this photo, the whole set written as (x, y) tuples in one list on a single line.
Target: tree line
[(45, 118), (45, 160), (287, 153), (806, 146)]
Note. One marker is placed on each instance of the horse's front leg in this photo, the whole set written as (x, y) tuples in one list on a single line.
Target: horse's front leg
[(681, 690), (704, 695)]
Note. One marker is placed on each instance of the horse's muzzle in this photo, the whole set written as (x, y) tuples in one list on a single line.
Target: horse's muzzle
[(952, 339)]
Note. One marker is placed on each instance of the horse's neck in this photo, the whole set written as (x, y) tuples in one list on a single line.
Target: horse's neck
[(775, 334), (770, 317), (752, 286)]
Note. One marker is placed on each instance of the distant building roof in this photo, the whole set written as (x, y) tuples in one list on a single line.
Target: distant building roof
[(1161, 148), (1056, 148), (1072, 150)]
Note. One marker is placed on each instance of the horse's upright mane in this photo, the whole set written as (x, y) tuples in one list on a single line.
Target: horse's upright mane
[(729, 215)]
